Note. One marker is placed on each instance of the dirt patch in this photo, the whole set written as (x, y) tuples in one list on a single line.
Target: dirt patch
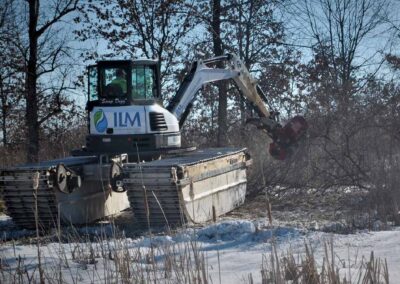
[(339, 210)]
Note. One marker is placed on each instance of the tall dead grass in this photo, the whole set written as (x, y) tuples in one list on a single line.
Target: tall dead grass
[(107, 259), (113, 258), (304, 269)]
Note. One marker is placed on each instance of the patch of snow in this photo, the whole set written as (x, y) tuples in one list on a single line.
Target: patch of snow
[(233, 249), (104, 230), (4, 218), (155, 241), (227, 231)]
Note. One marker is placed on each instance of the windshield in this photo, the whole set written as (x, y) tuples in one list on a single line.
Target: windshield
[(143, 82), (117, 83)]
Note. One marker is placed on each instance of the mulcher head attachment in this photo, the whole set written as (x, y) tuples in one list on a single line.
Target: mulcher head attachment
[(284, 138), (287, 137)]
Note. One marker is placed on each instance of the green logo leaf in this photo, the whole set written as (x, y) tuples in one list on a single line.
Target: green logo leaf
[(98, 115), (100, 121)]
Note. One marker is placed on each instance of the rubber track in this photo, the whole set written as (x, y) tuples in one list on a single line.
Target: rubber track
[(20, 197)]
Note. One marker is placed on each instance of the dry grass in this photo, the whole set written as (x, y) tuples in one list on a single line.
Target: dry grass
[(117, 259), (108, 259), (304, 269)]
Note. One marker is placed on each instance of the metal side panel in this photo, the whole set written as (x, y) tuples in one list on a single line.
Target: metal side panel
[(91, 202), (94, 200), (209, 198), (207, 168)]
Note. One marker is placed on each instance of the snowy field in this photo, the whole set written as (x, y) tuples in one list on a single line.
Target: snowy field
[(231, 250)]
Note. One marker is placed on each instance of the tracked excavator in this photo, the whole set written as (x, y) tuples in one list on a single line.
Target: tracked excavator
[(133, 155)]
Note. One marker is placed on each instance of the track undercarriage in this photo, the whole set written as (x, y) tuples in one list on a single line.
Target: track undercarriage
[(73, 190), (190, 188)]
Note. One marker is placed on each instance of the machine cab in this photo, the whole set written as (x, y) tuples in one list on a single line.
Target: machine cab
[(125, 112), (124, 82)]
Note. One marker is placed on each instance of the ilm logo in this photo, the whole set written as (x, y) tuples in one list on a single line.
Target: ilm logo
[(126, 119)]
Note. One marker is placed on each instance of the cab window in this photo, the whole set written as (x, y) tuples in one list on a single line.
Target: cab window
[(143, 82), (93, 91), (113, 82)]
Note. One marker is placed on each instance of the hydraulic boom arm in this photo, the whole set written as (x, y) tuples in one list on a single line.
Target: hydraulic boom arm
[(201, 73)]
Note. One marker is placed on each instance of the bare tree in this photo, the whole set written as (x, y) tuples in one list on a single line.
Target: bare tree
[(254, 31), (139, 28), (215, 30), (351, 109), (11, 71), (338, 29), (333, 82), (45, 51)]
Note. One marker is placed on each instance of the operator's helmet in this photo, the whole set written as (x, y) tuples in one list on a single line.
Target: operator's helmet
[(120, 73)]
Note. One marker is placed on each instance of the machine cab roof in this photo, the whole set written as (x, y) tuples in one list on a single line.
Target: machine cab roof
[(124, 82)]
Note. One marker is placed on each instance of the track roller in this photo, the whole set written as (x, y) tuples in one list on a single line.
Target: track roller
[(65, 179)]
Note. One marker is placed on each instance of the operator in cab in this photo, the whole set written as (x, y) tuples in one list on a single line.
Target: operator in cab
[(118, 86), (120, 80)]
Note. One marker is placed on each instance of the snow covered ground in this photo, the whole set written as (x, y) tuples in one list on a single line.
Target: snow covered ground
[(232, 250)]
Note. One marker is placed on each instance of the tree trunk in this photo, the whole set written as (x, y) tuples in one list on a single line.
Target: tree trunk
[(242, 103), (3, 112), (31, 118), (222, 88)]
